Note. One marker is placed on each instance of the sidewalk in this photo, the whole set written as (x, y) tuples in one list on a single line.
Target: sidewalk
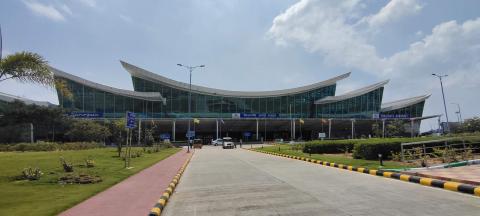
[(464, 174), (135, 195)]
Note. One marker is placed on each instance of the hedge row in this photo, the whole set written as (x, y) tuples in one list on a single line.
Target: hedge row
[(370, 148), (49, 146)]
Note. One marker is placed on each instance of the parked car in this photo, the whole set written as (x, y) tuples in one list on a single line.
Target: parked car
[(227, 142), (217, 142)]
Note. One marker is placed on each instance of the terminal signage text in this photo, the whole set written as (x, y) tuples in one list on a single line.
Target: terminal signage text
[(86, 114), (255, 115), (391, 116)]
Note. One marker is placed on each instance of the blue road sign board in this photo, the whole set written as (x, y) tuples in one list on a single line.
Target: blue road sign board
[(247, 134), (131, 120), (86, 114), (165, 136), (255, 115), (190, 134)]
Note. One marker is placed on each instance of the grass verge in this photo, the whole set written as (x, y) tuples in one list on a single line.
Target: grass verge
[(339, 159), (46, 196)]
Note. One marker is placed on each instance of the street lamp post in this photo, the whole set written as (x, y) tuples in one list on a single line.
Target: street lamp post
[(443, 95), (459, 113), (190, 69)]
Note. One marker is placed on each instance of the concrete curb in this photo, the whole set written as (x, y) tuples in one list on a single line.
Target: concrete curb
[(162, 202), (448, 185)]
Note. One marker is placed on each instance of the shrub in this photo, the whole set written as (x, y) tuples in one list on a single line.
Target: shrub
[(67, 167), (89, 162), (30, 173), (370, 151), (49, 146), (329, 147)]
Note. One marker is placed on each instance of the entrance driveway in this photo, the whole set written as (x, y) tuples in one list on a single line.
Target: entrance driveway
[(241, 182)]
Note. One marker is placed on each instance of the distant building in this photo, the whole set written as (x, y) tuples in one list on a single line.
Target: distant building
[(8, 98), (301, 112)]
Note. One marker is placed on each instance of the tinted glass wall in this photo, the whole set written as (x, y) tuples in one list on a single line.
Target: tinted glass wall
[(363, 106), (412, 111), (299, 105), (87, 99)]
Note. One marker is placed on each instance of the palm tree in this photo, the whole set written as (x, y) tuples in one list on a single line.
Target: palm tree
[(26, 67)]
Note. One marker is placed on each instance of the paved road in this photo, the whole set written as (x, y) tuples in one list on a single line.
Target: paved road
[(241, 182)]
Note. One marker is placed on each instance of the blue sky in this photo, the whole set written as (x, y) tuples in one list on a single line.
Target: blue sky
[(258, 44)]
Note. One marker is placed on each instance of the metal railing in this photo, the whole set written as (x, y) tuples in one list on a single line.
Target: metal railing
[(444, 149)]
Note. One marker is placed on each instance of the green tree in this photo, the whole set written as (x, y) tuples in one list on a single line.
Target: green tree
[(87, 130), (26, 67), (118, 133), (471, 125), (395, 128), (376, 130)]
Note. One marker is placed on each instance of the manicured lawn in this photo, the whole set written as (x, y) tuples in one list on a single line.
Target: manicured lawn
[(46, 196), (337, 158)]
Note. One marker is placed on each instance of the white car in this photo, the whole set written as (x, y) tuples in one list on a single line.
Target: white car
[(227, 142), (217, 142)]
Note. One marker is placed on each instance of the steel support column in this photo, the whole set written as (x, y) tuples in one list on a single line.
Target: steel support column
[(329, 128), (383, 128), (173, 130), (257, 130), (353, 128), (216, 122)]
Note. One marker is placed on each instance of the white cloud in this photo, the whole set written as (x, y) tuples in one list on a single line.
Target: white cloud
[(326, 28), (393, 11), (48, 11), (89, 3), (66, 9), (126, 18)]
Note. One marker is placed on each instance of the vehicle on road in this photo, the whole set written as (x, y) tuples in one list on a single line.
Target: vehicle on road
[(227, 142), (217, 142)]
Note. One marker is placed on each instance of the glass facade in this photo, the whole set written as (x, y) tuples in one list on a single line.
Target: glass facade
[(211, 106), (87, 99), (363, 106), (301, 105), (412, 111)]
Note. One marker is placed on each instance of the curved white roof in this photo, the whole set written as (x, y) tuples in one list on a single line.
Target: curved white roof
[(355, 93), (398, 104), (144, 74), (150, 96), (11, 98)]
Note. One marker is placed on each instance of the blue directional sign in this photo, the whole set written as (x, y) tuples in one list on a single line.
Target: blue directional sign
[(247, 134), (131, 120), (165, 136), (190, 134)]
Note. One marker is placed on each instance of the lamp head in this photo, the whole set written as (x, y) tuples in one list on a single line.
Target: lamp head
[(202, 65), (180, 65)]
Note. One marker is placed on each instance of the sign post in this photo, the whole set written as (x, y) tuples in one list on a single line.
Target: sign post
[(130, 124)]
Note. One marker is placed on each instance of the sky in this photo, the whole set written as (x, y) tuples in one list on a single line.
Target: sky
[(258, 44)]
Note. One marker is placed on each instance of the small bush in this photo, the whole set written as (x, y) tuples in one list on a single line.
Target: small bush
[(49, 146), (89, 163), (30, 173), (328, 147), (67, 167)]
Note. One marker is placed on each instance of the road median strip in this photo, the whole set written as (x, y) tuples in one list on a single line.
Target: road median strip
[(447, 185), (162, 202)]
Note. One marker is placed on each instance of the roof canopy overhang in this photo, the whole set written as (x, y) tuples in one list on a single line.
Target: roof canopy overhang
[(398, 104), (147, 75), (352, 94), (150, 96)]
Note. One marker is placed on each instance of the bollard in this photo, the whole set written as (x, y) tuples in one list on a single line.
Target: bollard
[(381, 159)]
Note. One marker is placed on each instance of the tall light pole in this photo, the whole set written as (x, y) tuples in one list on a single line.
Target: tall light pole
[(444, 103), (190, 69), (459, 113)]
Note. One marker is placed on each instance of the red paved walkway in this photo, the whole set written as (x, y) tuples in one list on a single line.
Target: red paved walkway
[(135, 195)]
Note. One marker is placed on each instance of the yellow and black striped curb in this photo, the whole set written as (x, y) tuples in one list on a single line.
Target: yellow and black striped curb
[(162, 202), (448, 185)]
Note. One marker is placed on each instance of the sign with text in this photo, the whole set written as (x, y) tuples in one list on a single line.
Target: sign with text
[(390, 116), (130, 120), (86, 114), (322, 135), (190, 134), (247, 134), (255, 115)]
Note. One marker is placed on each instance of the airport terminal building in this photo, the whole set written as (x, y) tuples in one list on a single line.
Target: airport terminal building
[(305, 112)]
